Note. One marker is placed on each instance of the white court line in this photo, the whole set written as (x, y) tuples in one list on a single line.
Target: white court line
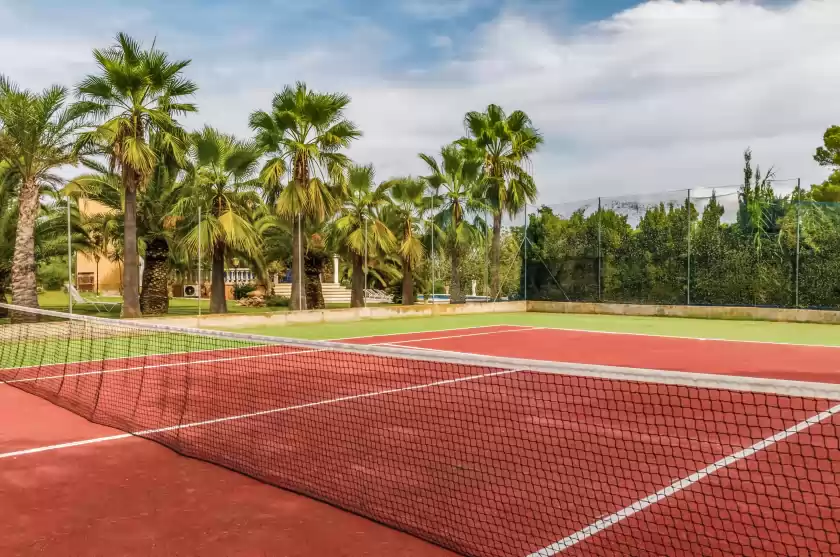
[(233, 358), (679, 485), (158, 366), (398, 342), (159, 354), (260, 413), (433, 331), (709, 339)]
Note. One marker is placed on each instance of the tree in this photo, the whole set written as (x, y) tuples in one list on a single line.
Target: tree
[(220, 182), (37, 136), (155, 225), (459, 205), (358, 229), (304, 132), (829, 153), (404, 216), (506, 143), (135, 94)]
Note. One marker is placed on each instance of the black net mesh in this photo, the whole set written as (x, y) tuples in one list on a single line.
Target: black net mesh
[(481, 455)]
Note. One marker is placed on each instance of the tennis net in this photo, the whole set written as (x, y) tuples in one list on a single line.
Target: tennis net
[(484, 456)]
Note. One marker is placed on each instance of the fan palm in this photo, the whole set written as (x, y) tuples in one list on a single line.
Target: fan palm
[(220, 182), (459, 204), (405, 216), (505, 143), (135, 94), (155, 226), (303, 133), (358, 230), (37, 135)]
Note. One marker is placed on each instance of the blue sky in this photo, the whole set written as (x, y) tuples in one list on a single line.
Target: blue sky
[(631, 96)]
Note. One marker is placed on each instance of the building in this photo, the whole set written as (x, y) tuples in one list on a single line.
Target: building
[(103, 276)]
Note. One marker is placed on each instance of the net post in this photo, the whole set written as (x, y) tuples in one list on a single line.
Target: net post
[(599, 250), (688, 259), (70, 260), (798, 235)]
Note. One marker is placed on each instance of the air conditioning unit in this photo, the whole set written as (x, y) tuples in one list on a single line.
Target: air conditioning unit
[(191, 291)]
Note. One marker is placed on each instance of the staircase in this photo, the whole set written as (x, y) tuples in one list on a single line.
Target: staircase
[(333, 293)]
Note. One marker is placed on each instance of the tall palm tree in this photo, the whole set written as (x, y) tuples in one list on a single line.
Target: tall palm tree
[(8, 223), (304, 133), (358, 229), (459, 205), (37, 135), (135, 94), (155, 225), (505, 143), (221, 182), (405, 216)]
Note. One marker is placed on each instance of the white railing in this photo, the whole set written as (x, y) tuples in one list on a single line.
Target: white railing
[(377, 296)]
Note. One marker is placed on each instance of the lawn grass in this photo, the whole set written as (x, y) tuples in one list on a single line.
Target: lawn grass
[(57, 301), (764, 331)]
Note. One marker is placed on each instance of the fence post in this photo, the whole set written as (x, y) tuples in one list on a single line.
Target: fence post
[(199, 262), (525, 256), (600, 299), (798, 224), (70, 260), (688, 259)]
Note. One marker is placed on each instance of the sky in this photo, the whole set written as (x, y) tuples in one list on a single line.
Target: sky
[(631, 97)]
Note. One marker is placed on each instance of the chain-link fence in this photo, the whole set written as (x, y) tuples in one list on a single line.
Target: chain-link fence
[(764, 245)]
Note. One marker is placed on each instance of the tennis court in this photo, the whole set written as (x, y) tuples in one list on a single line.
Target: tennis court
[(498, 440)]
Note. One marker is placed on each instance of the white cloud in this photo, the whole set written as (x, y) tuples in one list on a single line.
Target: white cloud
[(660, 97)]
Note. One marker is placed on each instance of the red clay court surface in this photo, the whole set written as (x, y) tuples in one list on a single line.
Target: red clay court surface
[(490, 463)]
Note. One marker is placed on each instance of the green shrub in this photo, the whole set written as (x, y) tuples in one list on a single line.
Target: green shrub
[(242, 290), (276, 302)]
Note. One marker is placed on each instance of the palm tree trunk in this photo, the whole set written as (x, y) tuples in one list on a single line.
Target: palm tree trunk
[(455, 283), (3, 279), (24, 288), (407, 284), (312, 267), (357, 284), (495, 254), (297, 302), (131, 258), (154, 296), (217, 280)]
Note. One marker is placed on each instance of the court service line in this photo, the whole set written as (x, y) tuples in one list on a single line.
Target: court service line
[(235, 358), (410, 340), (280, 339), (679, 485), (159, 366), (682, 337), (315, 404), (454, 329)]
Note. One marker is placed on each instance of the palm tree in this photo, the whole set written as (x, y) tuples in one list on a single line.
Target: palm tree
[(405, 216), (505, 143), (135, 94), (37, 136), (155, 225), (358, 230), (8, 223), (220, 182), (304, 132), (458, 176)]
